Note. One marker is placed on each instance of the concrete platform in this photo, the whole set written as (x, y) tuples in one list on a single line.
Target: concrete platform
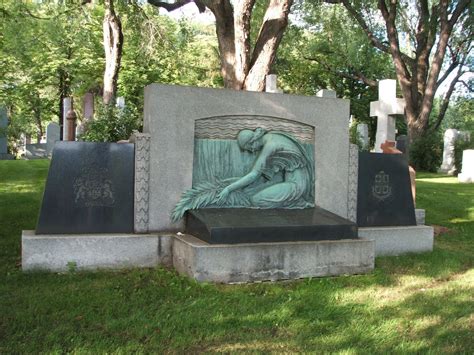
[(399, 240), (58, 252), (236, 263)]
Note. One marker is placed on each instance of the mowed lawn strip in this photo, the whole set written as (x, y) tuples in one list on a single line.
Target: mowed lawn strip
[(413, 303)]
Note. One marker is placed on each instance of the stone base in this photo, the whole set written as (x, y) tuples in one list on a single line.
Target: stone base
[(465, 178), (270, 261), (399, 240), (6, 156), (447, 170), (60, 252)]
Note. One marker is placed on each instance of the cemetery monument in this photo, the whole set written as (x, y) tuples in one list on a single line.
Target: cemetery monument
[(229, 186)]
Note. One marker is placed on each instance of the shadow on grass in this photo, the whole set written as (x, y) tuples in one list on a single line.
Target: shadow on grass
[(156, 310)]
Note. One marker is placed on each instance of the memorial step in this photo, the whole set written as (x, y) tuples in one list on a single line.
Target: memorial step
[(245, 225)]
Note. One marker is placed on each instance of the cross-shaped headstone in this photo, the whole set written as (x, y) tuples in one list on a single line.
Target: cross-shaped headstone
[(387, 105)]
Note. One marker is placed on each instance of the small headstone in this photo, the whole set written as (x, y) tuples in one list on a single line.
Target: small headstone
[(465, 136), (387, 105), (89, 189), (53, 134), (120, 102), (330, 94), (88, 106), (67, 106), (402, 143), (467, 173), (448, 165), (384, 191), (271, 84), (363, 134), (3, 135)]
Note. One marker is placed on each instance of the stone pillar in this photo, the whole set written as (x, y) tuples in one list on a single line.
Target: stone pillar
[(387, 105), (448, 166), (467, 174), (142, 181), (271, 84), (88, 106), (363, 133), (67, 105), (353, 183), (71, 126)]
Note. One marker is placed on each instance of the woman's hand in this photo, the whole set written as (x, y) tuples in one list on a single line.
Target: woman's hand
[(224, 194)]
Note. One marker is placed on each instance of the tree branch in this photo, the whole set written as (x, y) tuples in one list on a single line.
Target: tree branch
[(355, 75), (177, 4), (447, 97), (243, 12)]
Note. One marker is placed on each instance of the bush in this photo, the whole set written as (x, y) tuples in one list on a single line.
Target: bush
[(426, 153), (111, 124), (459, 146)]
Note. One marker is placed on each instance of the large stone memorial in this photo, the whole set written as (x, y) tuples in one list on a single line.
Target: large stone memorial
[(228, 186), (89, 189)]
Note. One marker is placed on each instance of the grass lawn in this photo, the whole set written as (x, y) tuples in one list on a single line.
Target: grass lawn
[(414, 303)]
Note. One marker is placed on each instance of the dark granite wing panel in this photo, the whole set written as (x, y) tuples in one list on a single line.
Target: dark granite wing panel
[(89, 189), (384, 191)]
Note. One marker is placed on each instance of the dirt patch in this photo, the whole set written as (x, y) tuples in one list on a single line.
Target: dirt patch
[(440, 230)]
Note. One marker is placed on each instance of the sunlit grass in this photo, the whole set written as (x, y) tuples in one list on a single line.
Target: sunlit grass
[(415, 303)]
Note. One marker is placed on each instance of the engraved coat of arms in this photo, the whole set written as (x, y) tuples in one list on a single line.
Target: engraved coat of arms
[(381, 189), (93, 189)]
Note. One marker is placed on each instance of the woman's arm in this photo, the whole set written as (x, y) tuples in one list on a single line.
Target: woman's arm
[(242, 182)]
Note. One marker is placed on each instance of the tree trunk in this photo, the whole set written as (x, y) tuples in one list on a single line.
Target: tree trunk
[(113, 42), (419, 77), (242, 68), (224, 14), (268, 40)]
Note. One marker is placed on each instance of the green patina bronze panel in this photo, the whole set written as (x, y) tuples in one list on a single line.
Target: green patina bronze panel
[(241, 161)]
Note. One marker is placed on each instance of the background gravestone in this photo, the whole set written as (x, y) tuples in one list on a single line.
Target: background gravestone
[(402, 142), (53, 134), (363, 133), (3, 135), (384, 191), (89, 189)]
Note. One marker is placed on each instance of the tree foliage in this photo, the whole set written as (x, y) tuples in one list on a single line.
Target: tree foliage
[(422, 38)]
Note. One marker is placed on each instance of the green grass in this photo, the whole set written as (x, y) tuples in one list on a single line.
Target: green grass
[(415, 303)]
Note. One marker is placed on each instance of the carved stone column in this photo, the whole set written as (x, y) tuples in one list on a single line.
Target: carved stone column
[(353, 181), (142, 181)]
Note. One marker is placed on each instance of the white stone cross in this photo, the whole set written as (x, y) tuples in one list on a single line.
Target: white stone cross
[(387, 105)]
